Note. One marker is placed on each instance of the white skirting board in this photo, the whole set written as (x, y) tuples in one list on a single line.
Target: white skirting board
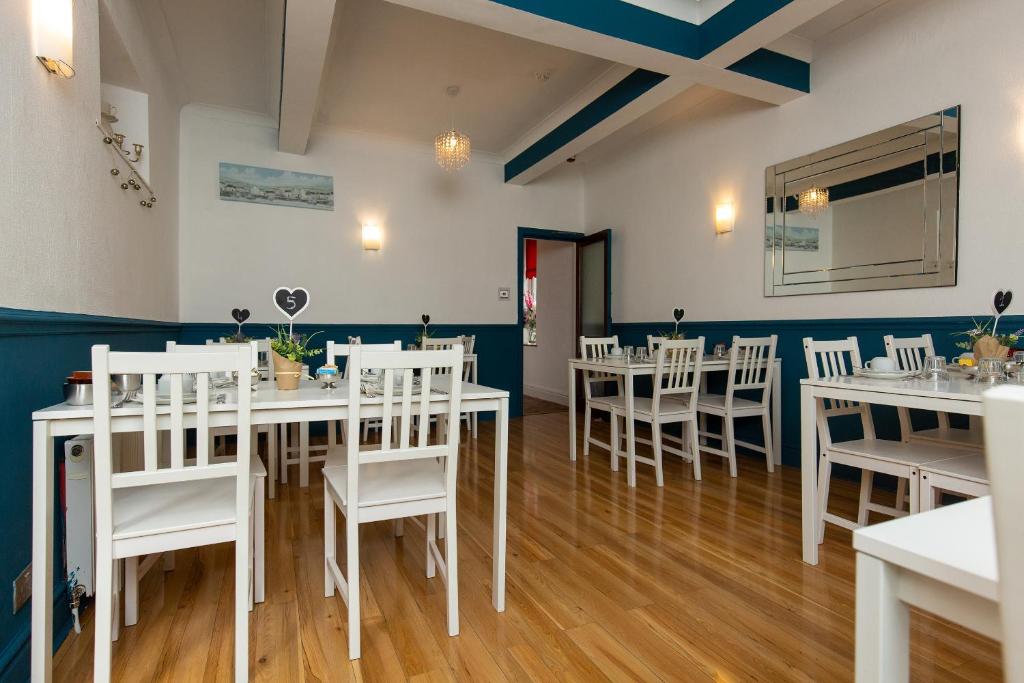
[(545, 394)]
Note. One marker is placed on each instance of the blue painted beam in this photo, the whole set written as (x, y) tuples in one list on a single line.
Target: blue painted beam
[(612, 100), (775, 67)]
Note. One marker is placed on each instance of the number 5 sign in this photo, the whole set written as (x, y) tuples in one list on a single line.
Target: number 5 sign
[(291, 302)]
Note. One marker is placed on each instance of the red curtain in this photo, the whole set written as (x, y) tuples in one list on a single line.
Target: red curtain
[(531, 259)]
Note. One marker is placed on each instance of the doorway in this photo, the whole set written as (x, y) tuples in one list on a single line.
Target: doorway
[(564, 292)]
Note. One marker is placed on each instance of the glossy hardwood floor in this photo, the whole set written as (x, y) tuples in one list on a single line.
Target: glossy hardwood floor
[(692, 582)]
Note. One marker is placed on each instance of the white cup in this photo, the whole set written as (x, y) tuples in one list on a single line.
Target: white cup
[(882, 364), (615, 351), (163, 385)]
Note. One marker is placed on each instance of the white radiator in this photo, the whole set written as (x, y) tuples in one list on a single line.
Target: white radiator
[(80, 533)]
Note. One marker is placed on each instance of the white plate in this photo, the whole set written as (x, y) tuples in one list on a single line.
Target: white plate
[(885, 374), (165, 399)]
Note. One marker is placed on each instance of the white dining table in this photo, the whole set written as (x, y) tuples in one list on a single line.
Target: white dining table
[(943, 562), (630, 369), (958, 394), (308, 403)]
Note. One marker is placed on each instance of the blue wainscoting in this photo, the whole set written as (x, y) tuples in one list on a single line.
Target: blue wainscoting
[(38, 351), (869, 333)]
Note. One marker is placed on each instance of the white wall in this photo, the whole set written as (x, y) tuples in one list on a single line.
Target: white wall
[(544, 374), (449, 239), (132, 120), (899, 62), (71, 241)]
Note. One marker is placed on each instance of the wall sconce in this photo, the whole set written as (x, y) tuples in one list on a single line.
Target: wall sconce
[(52, 31), (725, 218), (371, 237)]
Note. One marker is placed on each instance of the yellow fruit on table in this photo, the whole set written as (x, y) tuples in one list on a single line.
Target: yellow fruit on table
[(966, 361)]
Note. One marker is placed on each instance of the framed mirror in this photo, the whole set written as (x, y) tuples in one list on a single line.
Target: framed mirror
[(878, 212)]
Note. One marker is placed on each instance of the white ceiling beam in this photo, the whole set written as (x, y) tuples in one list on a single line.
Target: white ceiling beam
[(307, 34)]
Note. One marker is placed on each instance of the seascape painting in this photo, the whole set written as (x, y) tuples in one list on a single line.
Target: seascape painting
[(256, 185), (797, 239)]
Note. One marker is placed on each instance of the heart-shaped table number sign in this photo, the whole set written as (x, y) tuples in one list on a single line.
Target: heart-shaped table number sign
[(426, 319), (291, 302), (240, 314), (1000, 302), (678, 314)]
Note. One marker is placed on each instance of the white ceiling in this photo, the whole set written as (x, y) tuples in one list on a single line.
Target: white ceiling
[(115, 66), (390, 65)]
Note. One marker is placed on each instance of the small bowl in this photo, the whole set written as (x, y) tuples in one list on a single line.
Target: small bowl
[(126, 383), (78, 394)]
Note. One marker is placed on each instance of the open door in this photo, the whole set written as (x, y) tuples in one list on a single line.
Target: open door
[(593, 292)]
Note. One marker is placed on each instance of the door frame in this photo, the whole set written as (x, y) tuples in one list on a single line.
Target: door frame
[(525, 233)]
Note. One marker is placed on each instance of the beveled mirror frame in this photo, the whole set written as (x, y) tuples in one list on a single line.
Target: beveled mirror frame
[(937, 266)]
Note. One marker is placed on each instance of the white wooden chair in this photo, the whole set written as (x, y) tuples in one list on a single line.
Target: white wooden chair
[(869, 454), (443, 344), (751, 366), (1004, 436), (334, 352), (964, 476), (674, 401), (407, 480), (469, 348), (169, 508), (594, 348), (909, 354), (653, 342)]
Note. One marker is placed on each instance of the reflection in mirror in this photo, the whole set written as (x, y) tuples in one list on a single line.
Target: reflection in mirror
[(879, 212)]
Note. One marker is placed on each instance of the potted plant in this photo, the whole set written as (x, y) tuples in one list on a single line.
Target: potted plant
[(289, 350), (983, 341)]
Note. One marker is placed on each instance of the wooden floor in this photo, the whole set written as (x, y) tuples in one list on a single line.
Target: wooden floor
[(538, 406), (692, 582)]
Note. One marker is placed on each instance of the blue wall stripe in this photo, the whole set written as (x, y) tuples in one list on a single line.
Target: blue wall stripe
[(615, 98), (777, 68), (734, 19)]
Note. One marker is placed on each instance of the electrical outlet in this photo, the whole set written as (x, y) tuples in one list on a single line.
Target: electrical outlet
[(504, 293), (22, 588)]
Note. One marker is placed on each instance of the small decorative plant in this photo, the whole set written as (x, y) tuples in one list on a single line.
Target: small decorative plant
[(289, 352), (983, 341), (237, 338)]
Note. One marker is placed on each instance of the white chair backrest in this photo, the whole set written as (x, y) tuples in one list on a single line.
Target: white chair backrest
[(592, 348), (677, 371), (469, 343), (1004, 456), (403, 405), (653, 342), (827, 359), (336, 350), (909, 352), (441, 344), (174, 418), (751, 366), (216, 347)]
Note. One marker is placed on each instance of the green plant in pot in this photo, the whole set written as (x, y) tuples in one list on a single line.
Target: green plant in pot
[(289, 350)]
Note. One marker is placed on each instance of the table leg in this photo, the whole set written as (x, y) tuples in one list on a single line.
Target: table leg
[(808, 465), (475, 416), (304, 455), (777, 413), (630, 433), (500, 505), (272, 459), (42, 552), (572, 413), (882, 624)]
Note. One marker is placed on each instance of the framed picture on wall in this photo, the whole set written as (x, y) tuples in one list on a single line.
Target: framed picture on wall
[(257, 185)]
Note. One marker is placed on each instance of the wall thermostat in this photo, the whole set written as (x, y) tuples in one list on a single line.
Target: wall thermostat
[(504, 293)]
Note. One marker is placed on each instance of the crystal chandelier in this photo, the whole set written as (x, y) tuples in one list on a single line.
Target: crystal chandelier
[(813, 200), (452, 147)]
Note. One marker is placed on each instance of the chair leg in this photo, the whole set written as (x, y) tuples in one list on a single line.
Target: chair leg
[(131, 591), (867, 483), (440, 525), (330, 542), (272, 459), (399, 527), (451, 561), (915, 492), (614, 441), (586, 430), (824, 474), (927, 493), (730, 443), (366, 430), (901, 493), (691, 427), (259, 542), (431, 540), (769, 454), (115, 629), (659, 474), (284, 453), (243, 558), (352, 578), (169, 561), (102, 651), (703, 417)]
